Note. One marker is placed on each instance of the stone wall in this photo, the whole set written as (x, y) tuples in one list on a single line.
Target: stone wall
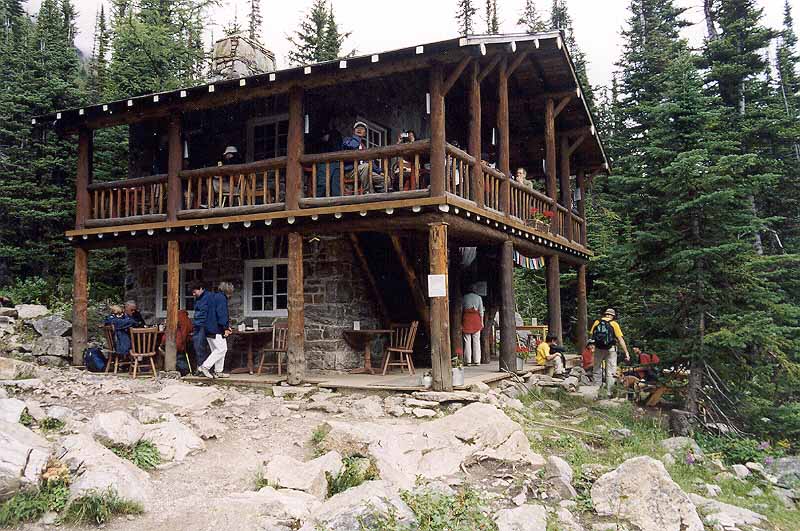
[(238, 56), (336, 294)]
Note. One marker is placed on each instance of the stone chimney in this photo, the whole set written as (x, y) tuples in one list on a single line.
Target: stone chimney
[(238, 56)]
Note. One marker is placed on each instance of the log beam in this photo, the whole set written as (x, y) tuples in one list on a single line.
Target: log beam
[(373, 283), (440, 311), (173, 301), (80, 305), (508, 327), (493, 62), (554, 296), (456, 300), (581, 310), (475, 147), (550, 149), (516, 62), (455, 74), (566, 192), (295, 341), (437, 132), (413, 283), (83, 177), (294, 150), (575, 145), (174, 167), (562, 104), (503, 151), (581, 183)]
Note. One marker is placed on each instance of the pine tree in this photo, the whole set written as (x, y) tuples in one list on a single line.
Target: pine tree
[(318, 38), (255, 20), (464, 13), (492, 22), (530, 18), (98, 66), (334, 38), (560, 19)]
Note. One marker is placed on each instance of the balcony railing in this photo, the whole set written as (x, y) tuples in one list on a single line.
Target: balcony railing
[(458, 172), (138, 200)]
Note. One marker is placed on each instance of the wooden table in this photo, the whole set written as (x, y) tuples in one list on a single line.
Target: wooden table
[(362, 339), (249, 335)]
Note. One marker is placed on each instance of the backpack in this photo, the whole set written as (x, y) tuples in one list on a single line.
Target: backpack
[(603, 335), (94, 360)]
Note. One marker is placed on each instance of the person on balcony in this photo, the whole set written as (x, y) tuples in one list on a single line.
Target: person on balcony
[(366, 172), (521, 177), (230, 156), (471, 326)]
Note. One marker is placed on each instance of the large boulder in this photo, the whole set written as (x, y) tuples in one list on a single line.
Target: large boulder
[(444, 396), (51, 346), (96, 468), (27, 312), (360, 508), (367, 408), (174, 440), (527, 517), (287, 472), (9, 312), (188, 397), (728, 516), (559, 474), (787, 470), (640, 490), (11, 369), (11, 409), (117, 428), (267, 509), (676, 445), (52, 326), (23, 457)]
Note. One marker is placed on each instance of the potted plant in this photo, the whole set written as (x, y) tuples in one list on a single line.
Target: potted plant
[(458, 368), (523, 354), (427, 380), (541, 219)]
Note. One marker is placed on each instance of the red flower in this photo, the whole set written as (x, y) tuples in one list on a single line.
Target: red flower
[(522, 349), (534, 210), (548, 213)]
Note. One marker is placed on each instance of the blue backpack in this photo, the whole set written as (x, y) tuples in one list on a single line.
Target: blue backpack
[(94, 360)]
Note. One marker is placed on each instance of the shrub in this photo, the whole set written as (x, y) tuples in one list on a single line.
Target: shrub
[(28, 506), (99, 507), (356, 471), (51, 424), (25, 418), (436, 511), (33, 290), (260, 481), (320, 432), (143, 454), (737, 449)]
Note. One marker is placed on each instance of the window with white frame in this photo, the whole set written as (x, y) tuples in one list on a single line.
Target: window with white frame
[(266, 287), (376, 135), (188, 274), (267, 137)]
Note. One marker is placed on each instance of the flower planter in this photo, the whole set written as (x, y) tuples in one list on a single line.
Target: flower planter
[(458, 376), (520, 364)]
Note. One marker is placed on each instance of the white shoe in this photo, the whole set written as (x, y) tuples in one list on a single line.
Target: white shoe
[(222, 375), (206, 372)]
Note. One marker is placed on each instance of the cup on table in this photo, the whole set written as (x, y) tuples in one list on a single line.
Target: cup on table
[(255, 324), (241, 327)]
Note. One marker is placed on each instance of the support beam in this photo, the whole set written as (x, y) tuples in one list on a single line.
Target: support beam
[(508, 325), (174, 167), (554, 296), (295, 341), (516, 62), (475, 147), (581, 183), (503, 151), (581, 311), (440, 311), (489, 67), (294, 150), (575, 145), (173, 301), (413, 283), (455, 74), (80, 305), (550, 149), (566, 192), (83, 177), (456, 299), (562, 104), (373, 283), (437, 132)]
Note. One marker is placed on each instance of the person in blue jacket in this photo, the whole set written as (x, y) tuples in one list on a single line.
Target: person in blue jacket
[(122, 324), (365, 171), (203, 313), (217, 330)]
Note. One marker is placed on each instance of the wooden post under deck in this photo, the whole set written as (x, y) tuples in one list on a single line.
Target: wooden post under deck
[(440, 311), (503, 150), (83, 177), (475, 133), (174, 166), (173, 302), (437, 132), (581, 311), (80, 305), (294, 149), (508, 325), (554, 296), (566, 195), (581, 183), (551, 181), (456, 300), (295, 341)]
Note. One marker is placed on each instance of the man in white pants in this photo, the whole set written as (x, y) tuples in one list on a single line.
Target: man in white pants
[(607, 334), (217, 332), (471, 325)]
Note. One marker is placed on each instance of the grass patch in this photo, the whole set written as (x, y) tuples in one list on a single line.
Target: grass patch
[(51, 424), (356, 470), (319, 434), (143, 454), (259, 481), (99, 507), (25, 418), (29, 506)]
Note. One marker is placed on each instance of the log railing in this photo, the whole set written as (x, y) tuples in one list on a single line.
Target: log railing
[(458, 172), (493, 184), (127, 198), (526, 202)]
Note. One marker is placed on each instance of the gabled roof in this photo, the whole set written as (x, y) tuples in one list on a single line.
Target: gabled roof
[(128, 109)]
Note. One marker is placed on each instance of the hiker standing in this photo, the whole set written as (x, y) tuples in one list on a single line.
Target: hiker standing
[(471, 326), (606, 333)]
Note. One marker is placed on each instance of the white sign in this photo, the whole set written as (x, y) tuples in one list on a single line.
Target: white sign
[(356, 325), (437, 285)]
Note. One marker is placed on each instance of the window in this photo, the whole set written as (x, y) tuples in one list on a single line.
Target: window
[(266, 287), (267, 137), (189, 273), (376, 135)]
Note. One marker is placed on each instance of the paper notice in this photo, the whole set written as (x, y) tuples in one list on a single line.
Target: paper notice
[(437, 285)]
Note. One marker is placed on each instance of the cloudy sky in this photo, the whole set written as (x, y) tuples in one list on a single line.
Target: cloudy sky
[(378, 25)]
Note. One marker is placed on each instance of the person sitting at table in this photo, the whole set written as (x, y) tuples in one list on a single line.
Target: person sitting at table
[(122, 324), (548, 351), (366, 172), (132, 311), (218, 329)]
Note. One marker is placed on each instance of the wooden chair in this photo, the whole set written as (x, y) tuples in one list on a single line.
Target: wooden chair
[(401, 342), (111, 347), (144, 344), (279, 333)]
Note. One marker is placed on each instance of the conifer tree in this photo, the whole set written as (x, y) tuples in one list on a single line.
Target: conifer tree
[(318, 38), (98, 66), (560, 19), (255, 20), (530, 18), (464, 13), (334, 37), (492, 22)]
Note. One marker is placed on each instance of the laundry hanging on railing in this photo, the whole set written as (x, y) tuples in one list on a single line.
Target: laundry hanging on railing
[(528, 263)]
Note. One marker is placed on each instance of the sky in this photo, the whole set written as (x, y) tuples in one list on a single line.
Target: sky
[(379, 25)]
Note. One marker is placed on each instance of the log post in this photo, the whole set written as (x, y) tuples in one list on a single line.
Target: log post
[(503, 151), (581, 183), (173, 303), (174, 166), (566, 196), (80, 305), (554, 296), (456, 298), (437, 132), (582, 313), (551, 181), (440, 311), (295, 342), (294, 150), (83, 177), (475, 133), (508, 325)]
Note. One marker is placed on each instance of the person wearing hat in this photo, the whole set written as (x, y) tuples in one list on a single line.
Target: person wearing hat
[(365, 171), (606, 333), (230, 156)]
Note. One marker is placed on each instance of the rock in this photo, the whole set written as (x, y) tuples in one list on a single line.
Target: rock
[(728, 516), (712, 491), (640, 490), (724, 476), (23, 385), (207, 428), (174, 440), (527, 517), (757, 468), (11, 409), (9, 312), (740, 471), (515, 404), (787, 470), (676, 445), (620, 433), (716, 465), (786, 496), (479, 387), (51, 346), (23, 458), (147, 414), (326, 406), (557, 467), (367, 408), (668, 460), (52, 325), (188, 397), (287, 472), (116, 428), (282, 391), (755, 492), (260, 510), (360, 507), (52, 361), (567, 522), (423, 413), (610, 527), (60, 413), (35, 410), (11, 369), (587, 392), (443, 396), (96, 468), (570, 384), (27, 312), (413, 402)]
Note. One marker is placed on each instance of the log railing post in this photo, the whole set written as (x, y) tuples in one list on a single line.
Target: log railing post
[(553, 281), (295, 341), (503, 151), (294, 149), (83, 177), (550, 156), (174, 167), (566, 195), (437, 132), (508, 325), (80, 305), (581, 183), (581, 310), (440, 311), (475, 133), (173, 303)]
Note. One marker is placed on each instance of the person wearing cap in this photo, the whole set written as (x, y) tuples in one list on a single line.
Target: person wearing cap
[(606, 334), (365, 172), (230, 156)]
